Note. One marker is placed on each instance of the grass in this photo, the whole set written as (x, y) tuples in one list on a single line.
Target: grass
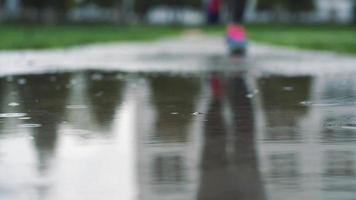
[(335, 38), (322, 37), (318, 37), (39, 37)]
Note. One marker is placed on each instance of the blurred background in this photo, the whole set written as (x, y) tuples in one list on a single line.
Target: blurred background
[(168, 119), (187, 12), (308, 24)]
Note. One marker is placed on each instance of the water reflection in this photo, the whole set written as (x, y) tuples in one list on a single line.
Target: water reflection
[(44, 98), (105, 94), (107, 135), (2, 94), (174, 113), (229, 160), (282, 118), (312, 155)]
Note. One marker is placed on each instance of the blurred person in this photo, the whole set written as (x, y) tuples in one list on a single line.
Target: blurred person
[(213, 11), (236, 38)]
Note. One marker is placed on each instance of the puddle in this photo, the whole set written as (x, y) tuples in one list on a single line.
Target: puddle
[(114, 135)]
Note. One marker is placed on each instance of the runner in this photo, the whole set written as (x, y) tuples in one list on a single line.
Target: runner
[(213, 11), (236, 36)]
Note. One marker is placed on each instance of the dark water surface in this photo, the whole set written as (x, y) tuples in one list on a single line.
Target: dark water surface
[(159, 136)]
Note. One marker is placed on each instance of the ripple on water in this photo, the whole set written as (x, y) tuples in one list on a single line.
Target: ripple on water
[(349, 126), (12, 115), (30, 125), (13, 104), (76, 107), (25, 118), (76, 132), (322, 104)]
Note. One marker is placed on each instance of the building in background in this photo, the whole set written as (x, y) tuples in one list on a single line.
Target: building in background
[(323, 11), (181, 11), (340, 11), (10, 9)]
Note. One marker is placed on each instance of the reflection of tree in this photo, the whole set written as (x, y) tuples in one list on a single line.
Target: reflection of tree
[(339, 163), (281, 98), (334, 129), (339, 90), (44, 98), (338, 175), (104, 93), (230, 174), (284, 165), (169, 169), (179, 94)]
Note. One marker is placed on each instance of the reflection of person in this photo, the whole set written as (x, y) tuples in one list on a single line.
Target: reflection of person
[(229, 168), (236, 35)]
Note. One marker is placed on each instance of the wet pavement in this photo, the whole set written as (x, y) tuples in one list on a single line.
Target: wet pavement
[(220, 128)]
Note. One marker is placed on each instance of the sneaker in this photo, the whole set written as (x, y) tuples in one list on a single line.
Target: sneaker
[(236, 39)]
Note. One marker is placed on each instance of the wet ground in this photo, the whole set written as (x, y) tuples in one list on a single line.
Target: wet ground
[(232, 128)]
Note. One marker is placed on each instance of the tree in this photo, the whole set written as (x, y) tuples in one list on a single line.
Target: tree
[(143, 6), (102, 3), (51, 11), (290, 5), (354, 12), (1, 9), (38, 4), (300, 5)]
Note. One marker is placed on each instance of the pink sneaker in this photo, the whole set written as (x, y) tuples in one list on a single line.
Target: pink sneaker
[(236, 39)]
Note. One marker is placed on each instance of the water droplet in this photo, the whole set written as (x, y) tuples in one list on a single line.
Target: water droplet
[(197, 113), (174, 113), (305, 103)]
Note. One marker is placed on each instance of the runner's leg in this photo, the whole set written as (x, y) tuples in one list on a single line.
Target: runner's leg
[(236, 36)]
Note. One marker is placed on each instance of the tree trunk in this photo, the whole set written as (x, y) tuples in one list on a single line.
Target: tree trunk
[(1, 11), (126, 11), (354, 12)]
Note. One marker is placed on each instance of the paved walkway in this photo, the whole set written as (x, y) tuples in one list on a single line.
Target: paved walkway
[(188, 53)]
